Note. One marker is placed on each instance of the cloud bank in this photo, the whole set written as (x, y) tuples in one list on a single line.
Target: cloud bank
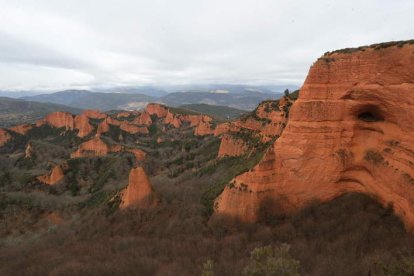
[(84, 43)]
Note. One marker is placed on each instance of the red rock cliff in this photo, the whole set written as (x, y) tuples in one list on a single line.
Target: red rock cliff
[(54, 177), (60, 119), (22, 129), (231, 146), (350, 131), (156, 109), (139, 192), (4, 137), (83, 125), (94, 114), (93, 147)]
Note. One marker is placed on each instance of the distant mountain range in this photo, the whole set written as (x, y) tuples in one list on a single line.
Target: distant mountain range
[(95, 100), (239, 97), (16, 111)]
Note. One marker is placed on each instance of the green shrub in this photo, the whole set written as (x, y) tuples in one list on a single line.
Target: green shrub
[(268, 261), (403, 266)]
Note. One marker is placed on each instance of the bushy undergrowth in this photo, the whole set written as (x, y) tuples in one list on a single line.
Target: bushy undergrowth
[(352, 235)]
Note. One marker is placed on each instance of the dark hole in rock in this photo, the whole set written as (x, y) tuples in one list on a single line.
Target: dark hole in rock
[(369, 117)]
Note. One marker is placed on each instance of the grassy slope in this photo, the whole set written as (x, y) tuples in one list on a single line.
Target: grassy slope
[(14, 111), (219, 112)]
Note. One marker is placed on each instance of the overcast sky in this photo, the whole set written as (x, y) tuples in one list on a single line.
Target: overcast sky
[(59, 44)]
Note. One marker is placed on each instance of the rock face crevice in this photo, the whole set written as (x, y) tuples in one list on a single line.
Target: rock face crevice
[(350, 131)]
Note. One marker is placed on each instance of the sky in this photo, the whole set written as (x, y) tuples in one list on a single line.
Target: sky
[(61, 44)]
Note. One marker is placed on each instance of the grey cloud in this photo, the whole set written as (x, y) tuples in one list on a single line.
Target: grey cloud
[(127, 42)]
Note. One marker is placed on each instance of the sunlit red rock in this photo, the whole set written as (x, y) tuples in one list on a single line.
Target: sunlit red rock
[(60, 120), (139, 154), (93, 147), (94, 114), (133, 129), (156, 109), (113, 121), (83, 125), (4, 137), (56, 175), (143, 119), (21, 129), (124, 114), (231, 146), (172, 119), (103, 127), (204, 128), (139, 193), (350, 131)]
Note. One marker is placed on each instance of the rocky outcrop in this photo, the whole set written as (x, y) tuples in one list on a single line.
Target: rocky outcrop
[(139, 193), (139, 154), (93, 147), (156, 109), (21, 129), (349, 131), (173, 119), (204, 128), (125, 114), (4, 137), (83, 125), (231, 146), (113, 121), (143, 119), (94, 114), (28, 152), (133, 129), (103, 127), (60, 120), (56, 175)]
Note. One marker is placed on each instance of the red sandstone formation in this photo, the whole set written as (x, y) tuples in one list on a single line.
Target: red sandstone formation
[(103, 126), (82, 124), (204, 128), (143, 119), (227, 127), (173, 119), (4, 137), (139, 154), (268, 121), (56, 175), (231, 146), (124, 114), (22, 129), (133, 129), (113, 121), (156, 109), (93, 147), (94, 114), (60, 119), (349, 131), (139, 192)]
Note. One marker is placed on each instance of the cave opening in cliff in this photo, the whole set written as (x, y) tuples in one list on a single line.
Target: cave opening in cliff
[(370, 114)]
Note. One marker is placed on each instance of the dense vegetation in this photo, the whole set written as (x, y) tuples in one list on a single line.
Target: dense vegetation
[(218, 112), (76, 228)]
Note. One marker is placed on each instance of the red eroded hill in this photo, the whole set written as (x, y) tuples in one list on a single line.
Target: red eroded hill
[(349, 131)]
